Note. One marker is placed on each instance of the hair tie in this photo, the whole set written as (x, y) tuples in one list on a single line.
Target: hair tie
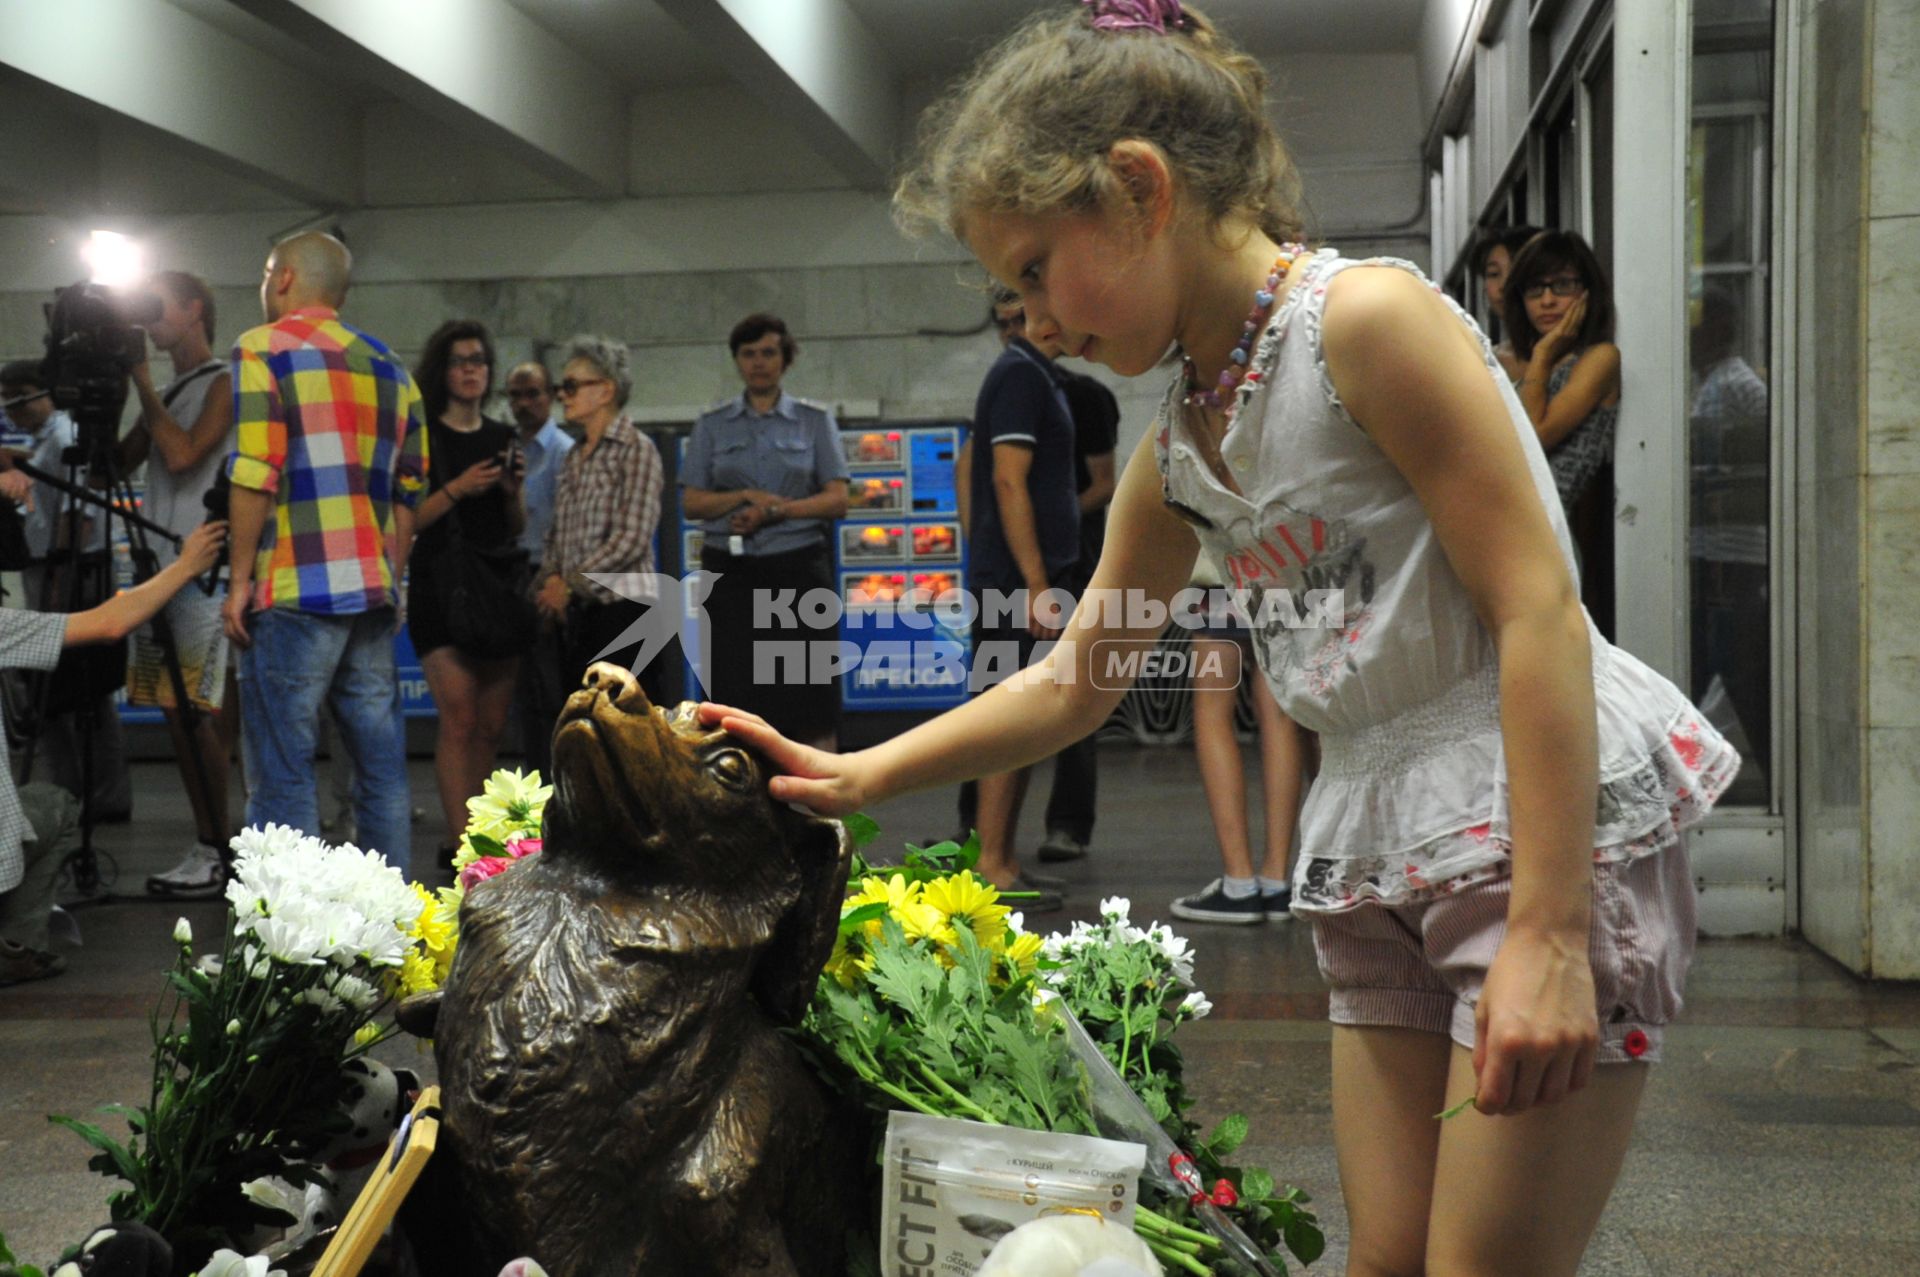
[(1136, 15)]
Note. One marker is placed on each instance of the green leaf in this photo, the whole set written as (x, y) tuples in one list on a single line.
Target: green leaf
[(852, 920), (1304, 1239), (861, 828), (486, 846), (115, 1158), (1229, 1135), (1256, 1183)]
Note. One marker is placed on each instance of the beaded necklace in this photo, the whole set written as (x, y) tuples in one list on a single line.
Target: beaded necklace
[(1242, 354)]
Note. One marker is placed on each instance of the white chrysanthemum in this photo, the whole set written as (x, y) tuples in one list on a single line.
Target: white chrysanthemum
[(182, 932), (1195, 1004), (320, 1000), (509, 802), (356, 993), (229, 1263), (1115, 908)]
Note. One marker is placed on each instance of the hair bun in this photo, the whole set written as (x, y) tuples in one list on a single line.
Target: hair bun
[(1158, 16)]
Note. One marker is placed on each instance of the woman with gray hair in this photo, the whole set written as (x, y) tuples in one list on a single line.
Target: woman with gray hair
[(604, 514)]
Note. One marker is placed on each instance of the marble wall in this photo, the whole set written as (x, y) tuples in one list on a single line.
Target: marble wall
[(1860, 425), (1890, 560)]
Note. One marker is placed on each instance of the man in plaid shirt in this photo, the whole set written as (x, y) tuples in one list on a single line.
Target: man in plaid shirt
[(331, 458)]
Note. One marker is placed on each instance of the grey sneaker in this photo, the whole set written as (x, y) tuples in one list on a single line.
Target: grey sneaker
[(1060, 845), (201, 873), (1213, 904)]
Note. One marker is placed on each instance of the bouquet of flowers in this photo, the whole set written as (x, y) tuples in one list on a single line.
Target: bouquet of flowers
[(249, 1044), (936, 999)]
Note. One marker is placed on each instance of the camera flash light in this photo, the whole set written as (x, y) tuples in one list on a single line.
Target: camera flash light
[(113, 258)]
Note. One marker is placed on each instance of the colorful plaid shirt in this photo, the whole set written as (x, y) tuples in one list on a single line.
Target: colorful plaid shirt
[(329, 423), (605, 511)]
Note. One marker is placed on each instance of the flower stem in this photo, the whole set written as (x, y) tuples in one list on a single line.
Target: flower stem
[(940, 1084), (1173, 1255), (1164, 1227)]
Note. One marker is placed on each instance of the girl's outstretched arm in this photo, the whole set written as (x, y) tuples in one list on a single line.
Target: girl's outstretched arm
[(1411, 375), (1147, 558)]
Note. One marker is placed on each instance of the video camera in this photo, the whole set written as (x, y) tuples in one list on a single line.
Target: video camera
[(93, 342)]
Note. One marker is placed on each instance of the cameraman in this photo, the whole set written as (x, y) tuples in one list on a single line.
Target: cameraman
[(50, 532), (184, 435), (39, 824)]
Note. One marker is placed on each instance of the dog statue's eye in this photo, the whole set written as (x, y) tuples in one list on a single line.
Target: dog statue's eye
[(731, 768)]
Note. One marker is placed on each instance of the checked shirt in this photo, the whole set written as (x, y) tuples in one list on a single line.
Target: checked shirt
[(329, 424), (605, 511)]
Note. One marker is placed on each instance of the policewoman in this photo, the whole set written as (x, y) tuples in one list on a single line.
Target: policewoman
[(765, 478)]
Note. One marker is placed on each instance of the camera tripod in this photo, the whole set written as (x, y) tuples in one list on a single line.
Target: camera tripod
[(87, 578)]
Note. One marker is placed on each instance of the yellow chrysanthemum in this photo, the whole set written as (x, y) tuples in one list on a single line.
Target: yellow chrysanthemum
[(964, 900), (921, 921), (417, 973), (848, 965), (366, 1033), (509, 801), (1022, 953), (431, 927)]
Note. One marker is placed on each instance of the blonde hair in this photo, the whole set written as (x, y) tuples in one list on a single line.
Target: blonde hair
[(1030, 128)]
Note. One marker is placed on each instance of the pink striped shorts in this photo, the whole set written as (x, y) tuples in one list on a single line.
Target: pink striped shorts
[(1421, 965)]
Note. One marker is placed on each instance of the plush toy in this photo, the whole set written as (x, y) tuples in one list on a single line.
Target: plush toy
[(120, 1250), (1071, 1246)]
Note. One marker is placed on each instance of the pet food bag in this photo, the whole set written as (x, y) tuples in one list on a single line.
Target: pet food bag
[(952, 1189)]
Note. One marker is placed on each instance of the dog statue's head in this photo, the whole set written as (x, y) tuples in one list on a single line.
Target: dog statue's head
[(647, 800)]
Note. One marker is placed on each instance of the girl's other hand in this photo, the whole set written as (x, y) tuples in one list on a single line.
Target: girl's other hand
[(1537, 1031), (828, 784), (1561, 337)]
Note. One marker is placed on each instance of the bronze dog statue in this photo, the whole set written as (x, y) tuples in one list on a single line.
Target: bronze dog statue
[(618, 1098)]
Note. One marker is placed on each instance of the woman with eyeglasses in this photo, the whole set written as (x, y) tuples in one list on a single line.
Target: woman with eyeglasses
[(473, 497), (1559, 313), (604, 514)]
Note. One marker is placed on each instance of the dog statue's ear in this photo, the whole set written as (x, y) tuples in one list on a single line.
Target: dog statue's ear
[(789, 968)]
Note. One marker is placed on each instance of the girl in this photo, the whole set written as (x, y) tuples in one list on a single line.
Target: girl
[(1558, 309), (1489, 856), (473, 495)]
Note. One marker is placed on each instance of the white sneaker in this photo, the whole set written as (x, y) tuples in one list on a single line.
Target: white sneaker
[(201, 873)]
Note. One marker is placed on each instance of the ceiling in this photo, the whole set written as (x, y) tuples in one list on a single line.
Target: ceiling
[(210, 105)]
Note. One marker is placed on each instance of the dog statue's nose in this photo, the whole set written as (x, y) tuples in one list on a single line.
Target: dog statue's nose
[(618, 682)]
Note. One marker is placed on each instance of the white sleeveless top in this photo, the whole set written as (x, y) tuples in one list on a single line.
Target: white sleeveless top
[(1411, 798), (173, 500)]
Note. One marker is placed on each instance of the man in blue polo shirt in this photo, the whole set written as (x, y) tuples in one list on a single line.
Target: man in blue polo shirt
[(1024, 536)]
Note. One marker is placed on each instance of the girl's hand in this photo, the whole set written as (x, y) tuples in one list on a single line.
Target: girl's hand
[(202, 547), (828, 784), (1561, 337), (477, 478), (551, 598), (1536, 1028)]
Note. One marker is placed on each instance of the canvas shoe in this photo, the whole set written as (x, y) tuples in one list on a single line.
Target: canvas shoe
[(201, 873), (1277, 905), (1213, 904), (1060, 845)]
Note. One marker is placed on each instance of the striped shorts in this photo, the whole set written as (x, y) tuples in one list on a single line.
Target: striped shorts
[(1421, 965)]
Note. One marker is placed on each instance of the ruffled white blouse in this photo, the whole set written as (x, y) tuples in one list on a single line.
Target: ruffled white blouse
[(1367, 637)]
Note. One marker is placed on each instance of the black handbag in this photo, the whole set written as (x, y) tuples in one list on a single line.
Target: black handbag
[(478, 596)]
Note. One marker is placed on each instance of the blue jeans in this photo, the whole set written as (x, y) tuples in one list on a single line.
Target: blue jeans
[(299, 660)]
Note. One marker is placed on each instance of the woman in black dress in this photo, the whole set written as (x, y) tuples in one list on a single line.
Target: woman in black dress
[(473, 495)]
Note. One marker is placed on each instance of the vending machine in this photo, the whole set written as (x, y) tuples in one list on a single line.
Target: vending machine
[(899, 562)]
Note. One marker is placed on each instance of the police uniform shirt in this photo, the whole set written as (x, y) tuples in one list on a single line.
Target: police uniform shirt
[(792, 451)]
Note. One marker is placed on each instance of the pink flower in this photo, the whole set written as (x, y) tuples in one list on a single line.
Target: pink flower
[(1135, 15), (482, 869), (522, 847), (1635, 1043)]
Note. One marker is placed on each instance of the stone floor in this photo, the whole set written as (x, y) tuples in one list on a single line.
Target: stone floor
[(1782, 1135)]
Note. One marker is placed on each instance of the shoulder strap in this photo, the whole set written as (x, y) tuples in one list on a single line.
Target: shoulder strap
[(179, 387)]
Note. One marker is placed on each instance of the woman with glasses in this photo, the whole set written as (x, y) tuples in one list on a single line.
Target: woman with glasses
[(1559, 313), (765, 475), (473, 497), (604, 514)]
